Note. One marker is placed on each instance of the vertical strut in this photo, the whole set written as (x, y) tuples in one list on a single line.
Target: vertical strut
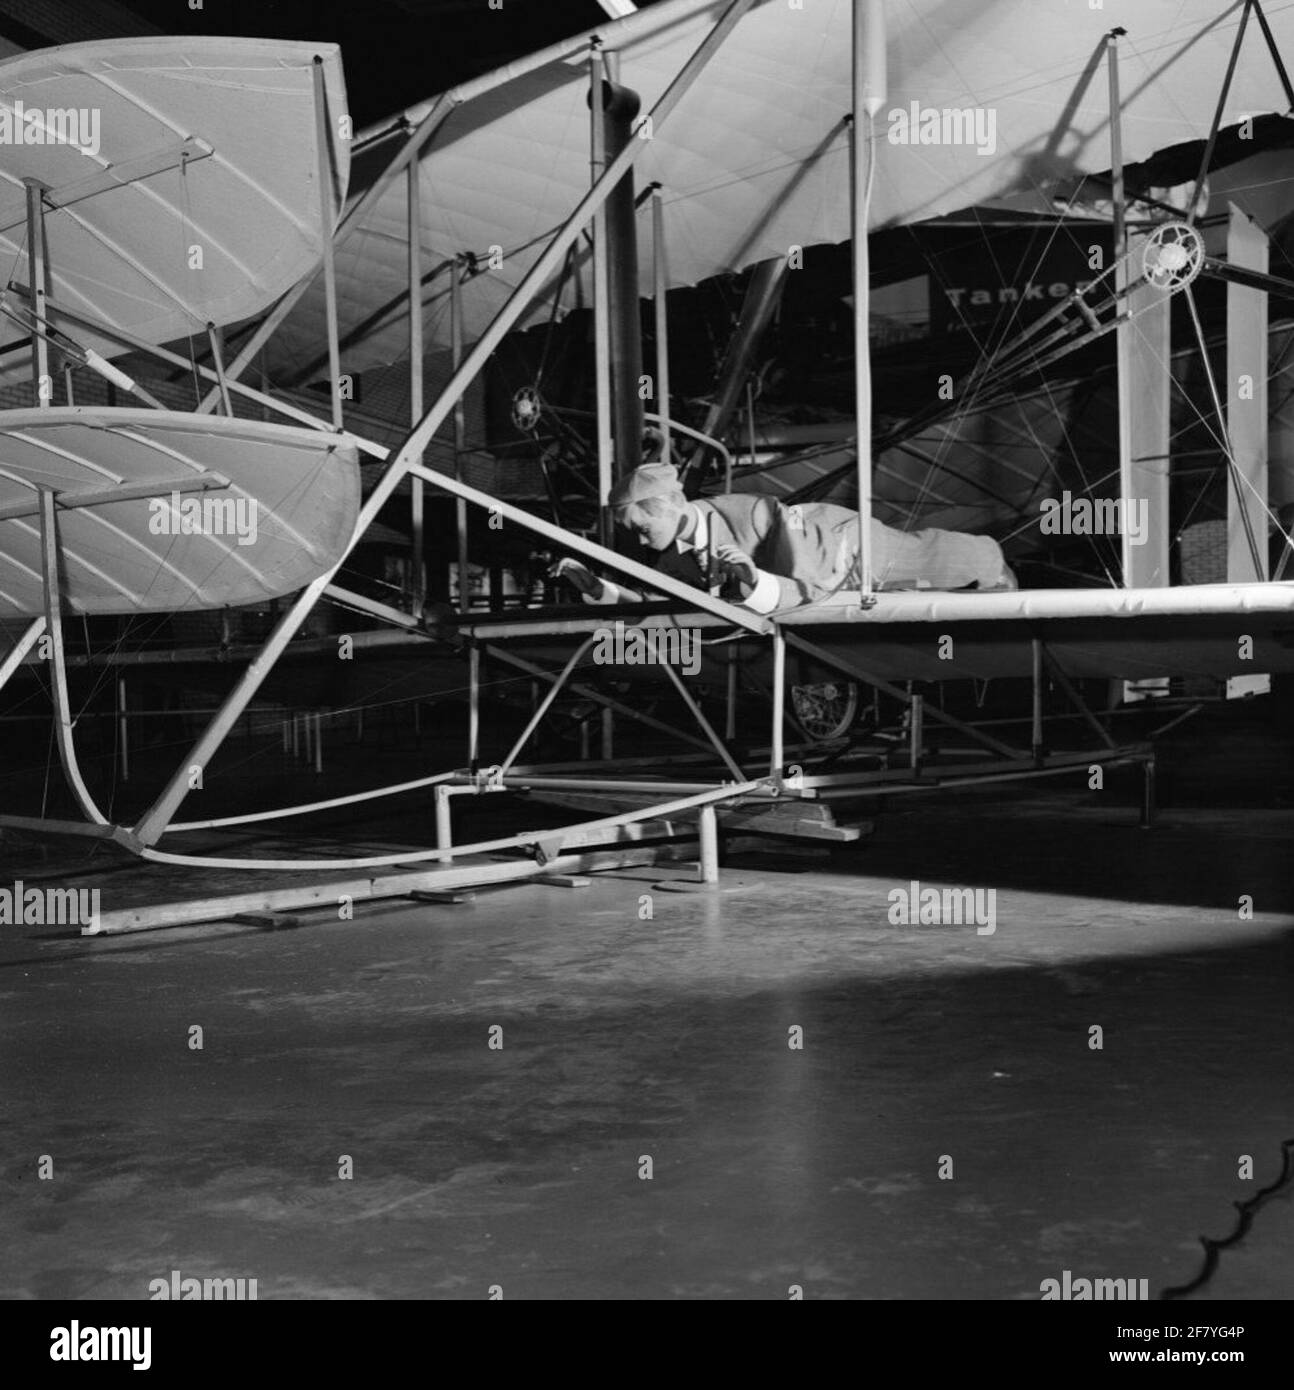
[(660, 278), (460, 436), (868, 90), (1224, 436), (1276, 54), (63, 721), (42, 383), (777, 758), (218, 362), (601, 294), (417, 546), (326, 232)]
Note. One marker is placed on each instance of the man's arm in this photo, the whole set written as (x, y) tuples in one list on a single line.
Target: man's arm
[(791, 563), (591, 588), (757, 590)]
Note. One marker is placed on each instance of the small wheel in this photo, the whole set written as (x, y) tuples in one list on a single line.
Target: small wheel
[(526, 409), (1173, 256), (825, 711)]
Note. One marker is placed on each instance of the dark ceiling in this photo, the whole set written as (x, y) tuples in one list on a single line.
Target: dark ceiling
[(395, 52)]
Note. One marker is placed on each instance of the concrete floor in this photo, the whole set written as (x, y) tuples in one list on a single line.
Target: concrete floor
[(668, 1038)]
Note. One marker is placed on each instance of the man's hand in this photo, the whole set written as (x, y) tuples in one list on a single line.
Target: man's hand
[(736, 564), (579, 575)]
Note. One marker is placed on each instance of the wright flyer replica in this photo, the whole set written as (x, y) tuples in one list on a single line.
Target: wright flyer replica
[(231, 230)]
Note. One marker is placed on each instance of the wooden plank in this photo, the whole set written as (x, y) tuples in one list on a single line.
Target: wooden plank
[(268, 921), (330, 894)]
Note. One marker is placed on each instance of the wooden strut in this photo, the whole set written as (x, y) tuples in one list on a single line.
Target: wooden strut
[(63, 721), (1071, 691), (609, 824), (38, 274), (588, 692), (17, 654), (326, 230), (546, 704)]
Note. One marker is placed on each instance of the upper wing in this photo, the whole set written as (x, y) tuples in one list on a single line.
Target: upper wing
[(755, 159)]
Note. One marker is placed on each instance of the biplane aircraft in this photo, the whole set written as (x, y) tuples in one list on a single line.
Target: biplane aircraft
[(229, 223)]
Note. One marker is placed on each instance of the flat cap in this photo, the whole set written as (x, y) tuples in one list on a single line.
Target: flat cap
[(651, 480)]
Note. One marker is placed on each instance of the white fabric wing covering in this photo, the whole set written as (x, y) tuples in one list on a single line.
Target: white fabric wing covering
[(281, 512), (754, 161), (208, 239)]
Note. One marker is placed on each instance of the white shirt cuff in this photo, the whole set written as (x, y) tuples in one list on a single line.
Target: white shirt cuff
[(612, 593), (765, 596)]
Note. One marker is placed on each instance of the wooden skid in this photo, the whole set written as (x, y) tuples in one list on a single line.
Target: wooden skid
[(795, 820), (400, 885)]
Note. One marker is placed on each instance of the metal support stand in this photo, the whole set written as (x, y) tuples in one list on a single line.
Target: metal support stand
[(777, 759), (708, 825), (707, 868), (444, 823)]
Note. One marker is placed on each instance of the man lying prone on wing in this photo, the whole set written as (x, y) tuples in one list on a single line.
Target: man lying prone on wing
[(766, 556)]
